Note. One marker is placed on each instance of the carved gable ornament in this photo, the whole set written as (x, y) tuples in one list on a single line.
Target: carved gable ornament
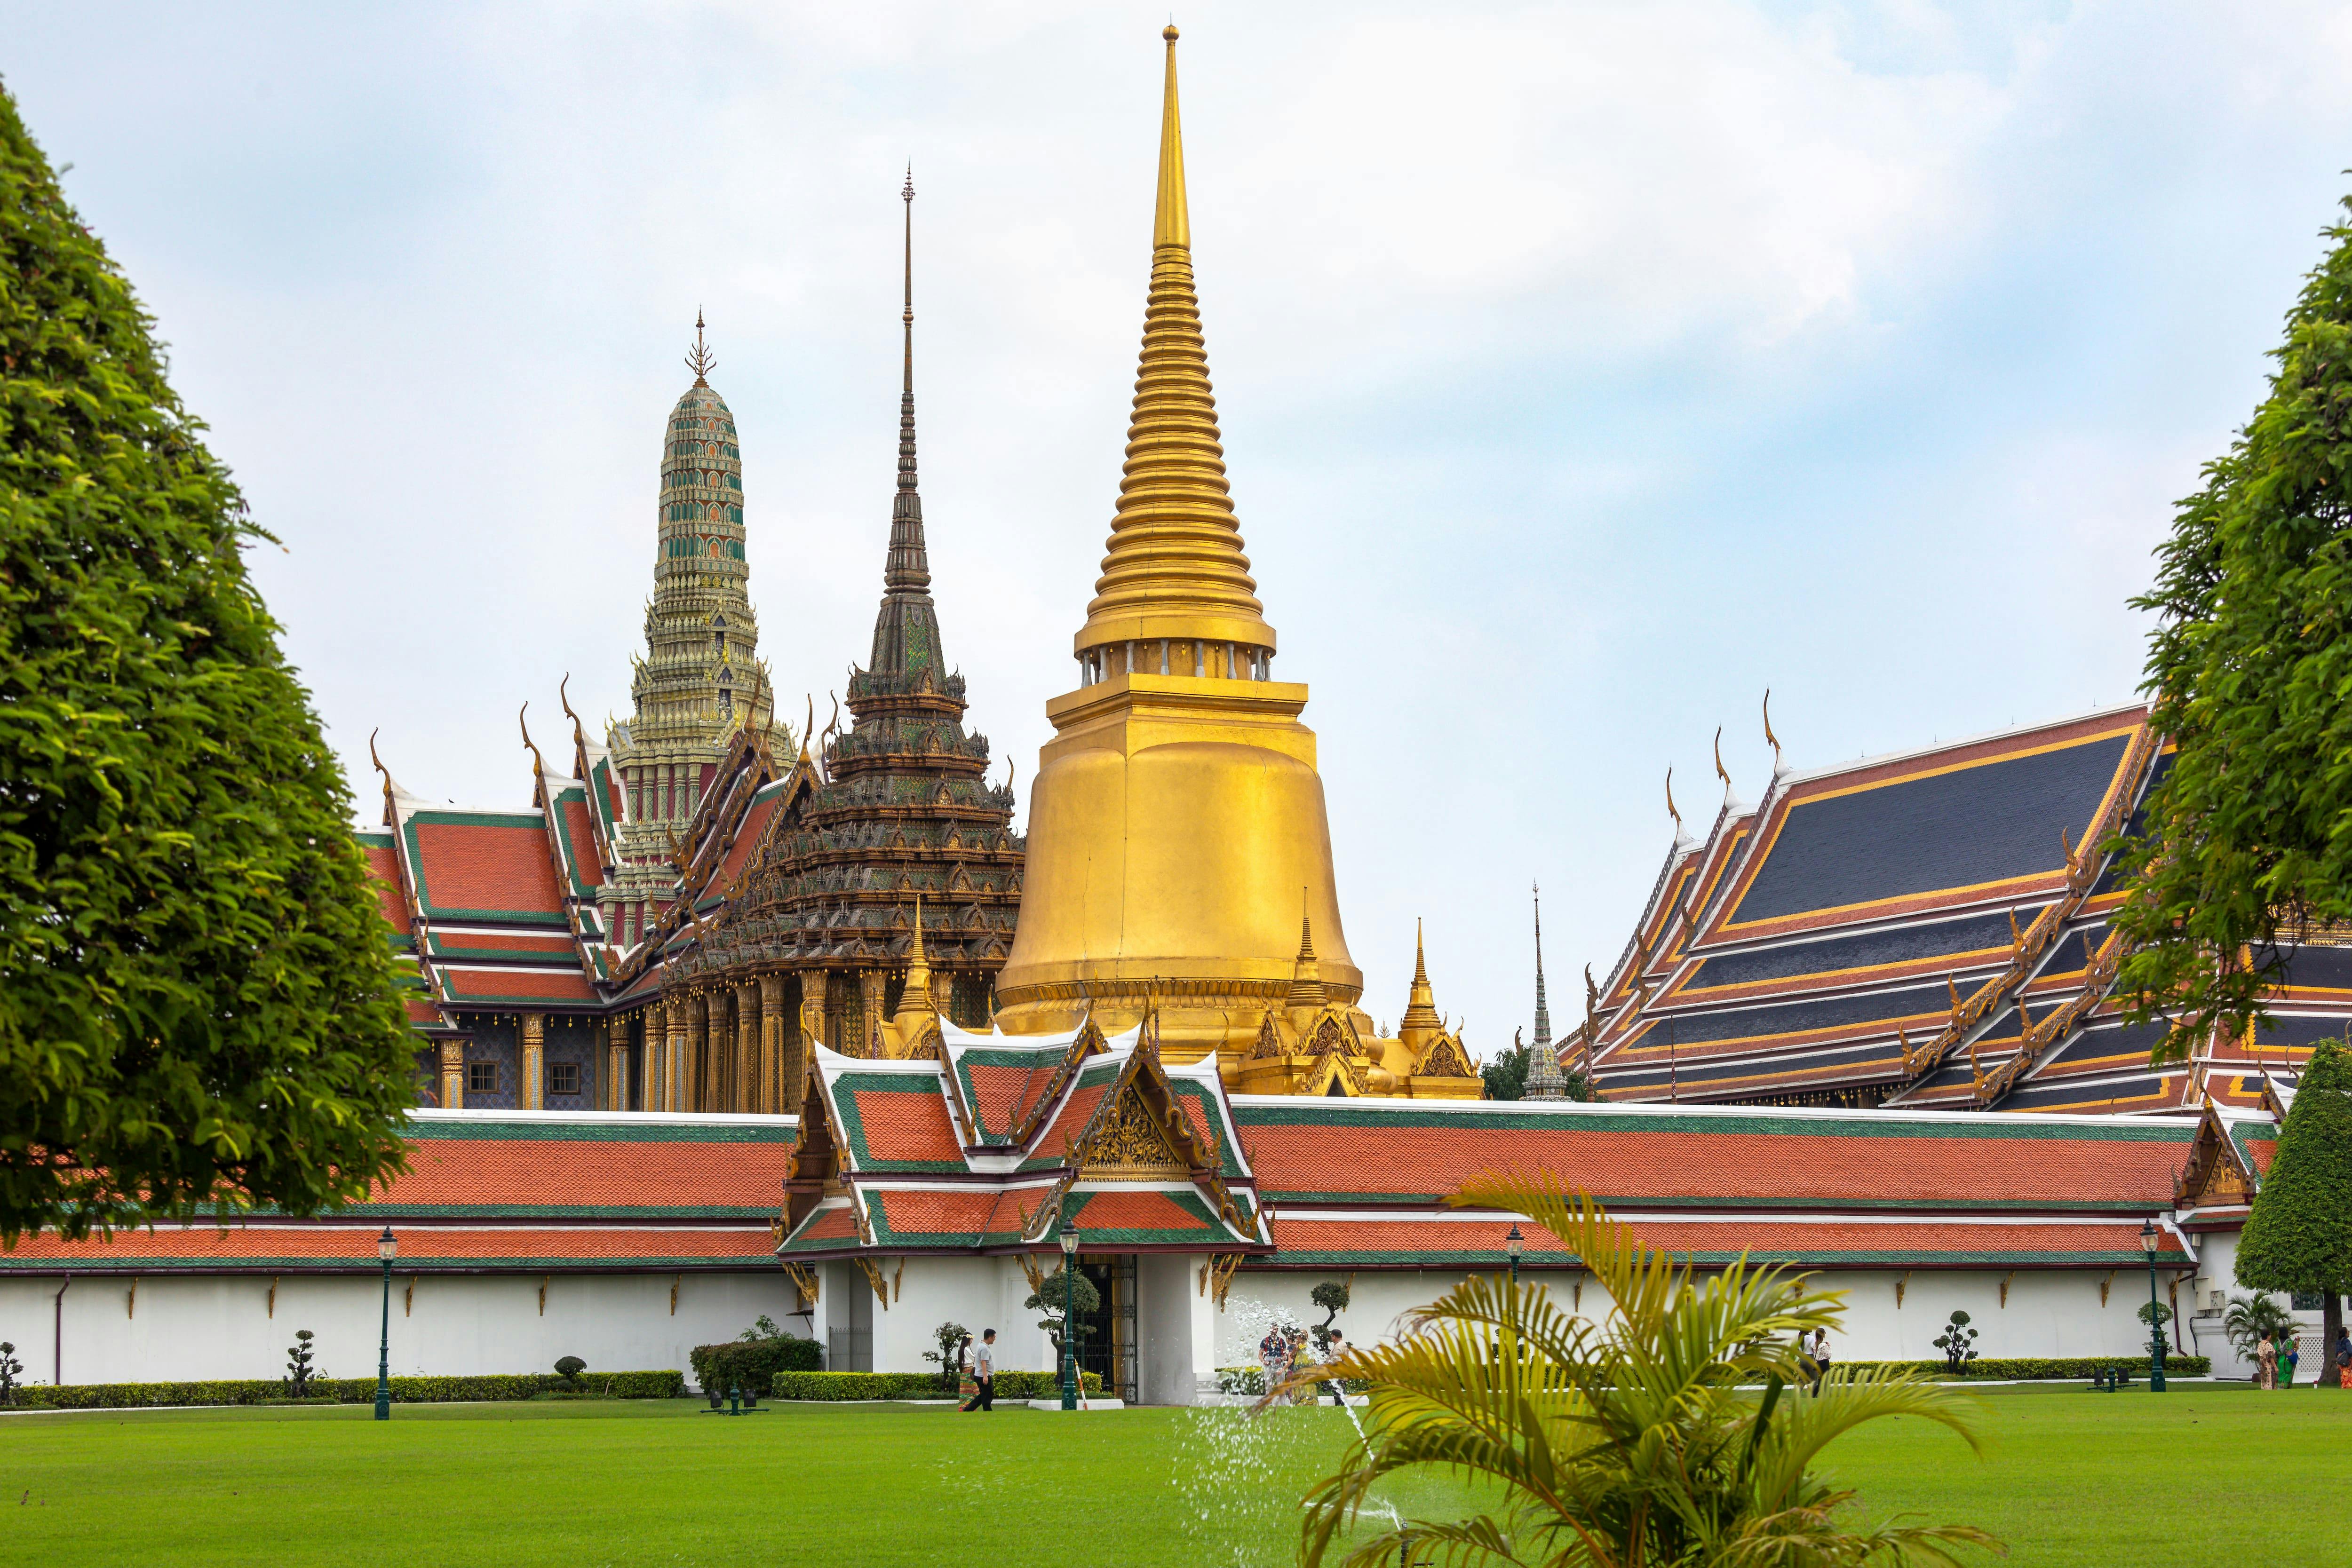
[(1132, 1146), (1444, 1059)]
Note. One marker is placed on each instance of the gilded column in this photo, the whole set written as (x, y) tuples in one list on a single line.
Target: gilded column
[(530, 1095), (698, 1021), (745, 1096), (812, 1022), (775, 1053), (614, 1092), (649, 1059), (870, 984), (453, 1074), (674, 1058)]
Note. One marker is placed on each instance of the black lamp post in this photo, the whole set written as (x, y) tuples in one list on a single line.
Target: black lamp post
[(2147, 1240), (1511, 1244), (1069, 1303), (387, 1249)]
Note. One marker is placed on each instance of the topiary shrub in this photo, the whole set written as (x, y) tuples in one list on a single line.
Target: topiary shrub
[(9, 1368), (1958, 1341), (299, 1372), (569, 1368)]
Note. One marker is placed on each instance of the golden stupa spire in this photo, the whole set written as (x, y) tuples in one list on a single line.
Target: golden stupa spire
[(1421, 1019), (1174, 566), (1306, 975), (917, 996)]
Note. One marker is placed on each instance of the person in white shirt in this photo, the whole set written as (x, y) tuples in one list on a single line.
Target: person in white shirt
[(983, 1373)]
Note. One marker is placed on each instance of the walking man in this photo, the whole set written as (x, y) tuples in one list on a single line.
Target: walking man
[(983, 1373), (1335, 1349)]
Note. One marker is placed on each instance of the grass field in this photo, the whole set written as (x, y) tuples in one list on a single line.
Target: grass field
[(2203, 1474)]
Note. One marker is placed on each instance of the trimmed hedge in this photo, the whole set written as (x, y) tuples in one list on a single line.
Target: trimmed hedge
[(1251, 1380), (830, 1386), (752, 1365), (344, 1390), (2049, 1368)]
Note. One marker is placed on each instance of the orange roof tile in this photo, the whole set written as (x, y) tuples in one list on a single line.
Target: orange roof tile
[(553, 985), (1719, 1155), (1307, 1240), (422, 1247), (480, 865), (897, 1126), (715, 1174)]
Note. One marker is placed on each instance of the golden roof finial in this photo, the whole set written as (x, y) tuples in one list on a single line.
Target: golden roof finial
[(1172, 221), (700, 358), (1677, 815), (1174, 566), (1769, 736)]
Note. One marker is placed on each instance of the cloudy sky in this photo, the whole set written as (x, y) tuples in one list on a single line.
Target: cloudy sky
[(1585, 369)]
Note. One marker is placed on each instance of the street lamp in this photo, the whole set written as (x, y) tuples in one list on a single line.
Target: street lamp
[(2148, 1239), (1511, 1244), (1069, 1297), (387, 1249)]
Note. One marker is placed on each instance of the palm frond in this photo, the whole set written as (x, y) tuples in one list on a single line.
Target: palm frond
[(1627, 1440)]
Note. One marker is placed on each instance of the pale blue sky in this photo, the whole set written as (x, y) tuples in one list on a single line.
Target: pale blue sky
[(1584, 368)]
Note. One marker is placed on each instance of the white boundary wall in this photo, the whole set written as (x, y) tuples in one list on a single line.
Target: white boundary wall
[(186, 1328), (2050, 1312), (196, 1327)]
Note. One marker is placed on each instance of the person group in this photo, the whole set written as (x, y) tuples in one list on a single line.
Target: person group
[(1284, 1350), (983, 1373)]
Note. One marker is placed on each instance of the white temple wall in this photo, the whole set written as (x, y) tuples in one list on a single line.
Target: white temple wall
[(2049, 1313), (186, 1328), (1174, 1329)]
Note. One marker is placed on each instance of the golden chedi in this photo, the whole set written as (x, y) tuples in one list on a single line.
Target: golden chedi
[(1177, 833)]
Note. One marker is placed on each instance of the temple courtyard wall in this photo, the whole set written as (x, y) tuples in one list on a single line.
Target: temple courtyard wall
[(170, 1329), (117, 1328), (2049, 1313)]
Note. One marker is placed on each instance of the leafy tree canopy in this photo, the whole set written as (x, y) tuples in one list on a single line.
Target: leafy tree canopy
[(197, 1002), (2247, 838), (2299, 1236)]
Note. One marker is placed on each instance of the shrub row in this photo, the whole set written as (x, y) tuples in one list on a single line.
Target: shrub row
[(752, 1365), (346, 1390), (843, 1386), (2051, 1367)]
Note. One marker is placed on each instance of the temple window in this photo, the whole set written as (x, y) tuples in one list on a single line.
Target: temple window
[(563, 1078), (481, 1078)]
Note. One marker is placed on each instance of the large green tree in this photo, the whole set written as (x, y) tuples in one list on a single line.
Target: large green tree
[(2248, 838), (2298, 1240), (197, 1005)]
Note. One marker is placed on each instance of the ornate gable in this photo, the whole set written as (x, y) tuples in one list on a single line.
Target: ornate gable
[(1133, 1145), (2214, 1177), (1444, 1058)]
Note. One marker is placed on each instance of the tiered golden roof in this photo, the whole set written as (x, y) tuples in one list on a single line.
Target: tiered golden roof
[(1173, 566)]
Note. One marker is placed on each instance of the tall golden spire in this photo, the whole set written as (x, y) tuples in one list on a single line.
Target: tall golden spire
[(1174, 566), (1307, 975), (1421, 1019)]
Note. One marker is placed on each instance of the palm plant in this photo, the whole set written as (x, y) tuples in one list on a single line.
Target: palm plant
[(2253, 1319), (1627, 1444)]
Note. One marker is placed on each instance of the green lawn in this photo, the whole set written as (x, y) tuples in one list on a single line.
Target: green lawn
[(2204, 1475)]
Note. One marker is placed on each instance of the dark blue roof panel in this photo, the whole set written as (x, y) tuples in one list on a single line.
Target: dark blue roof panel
[(1894, 944), (1985, 823)]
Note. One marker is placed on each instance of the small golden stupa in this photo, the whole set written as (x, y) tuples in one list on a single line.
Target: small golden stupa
[(1179, 857)]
